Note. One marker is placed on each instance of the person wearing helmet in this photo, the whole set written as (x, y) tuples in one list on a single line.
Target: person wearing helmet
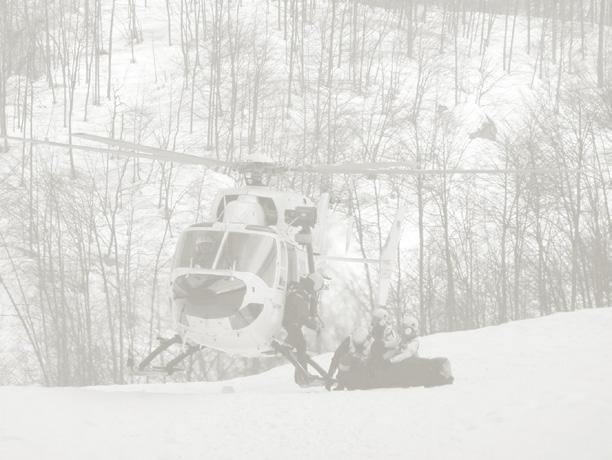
[(349, 363), (314, 281), (385, 341), (409, 342), (300, 311), (302, 301), (407, 368), (205, 251)]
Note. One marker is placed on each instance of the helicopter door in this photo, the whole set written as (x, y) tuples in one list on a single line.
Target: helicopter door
[(282, 273), (302, 264), (292, 264)]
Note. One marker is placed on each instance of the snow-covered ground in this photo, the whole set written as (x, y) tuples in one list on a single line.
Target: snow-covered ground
[(535, 389)]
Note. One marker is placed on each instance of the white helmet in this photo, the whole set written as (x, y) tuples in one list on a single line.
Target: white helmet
[(203, 241), (317, 281), (360, 336), (380, 317), (312, 282), (410, 322)]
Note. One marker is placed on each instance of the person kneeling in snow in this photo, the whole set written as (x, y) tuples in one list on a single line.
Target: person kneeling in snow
[(390, 358), (409, 342), (406, 368), (350, 361), (385, 340)]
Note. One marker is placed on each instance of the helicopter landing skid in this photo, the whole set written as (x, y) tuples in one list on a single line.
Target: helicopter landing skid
[(144, 368), (302, 377)]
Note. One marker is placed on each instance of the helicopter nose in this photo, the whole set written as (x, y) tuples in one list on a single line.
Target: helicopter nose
[(217, 298)]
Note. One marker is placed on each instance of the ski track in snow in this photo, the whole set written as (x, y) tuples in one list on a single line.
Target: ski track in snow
[(534, 389)]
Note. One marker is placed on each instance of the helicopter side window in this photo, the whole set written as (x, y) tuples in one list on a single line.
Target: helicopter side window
[(269, 209), (224, 201)]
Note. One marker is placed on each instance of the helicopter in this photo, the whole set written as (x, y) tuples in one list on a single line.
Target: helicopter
[(232, 273)]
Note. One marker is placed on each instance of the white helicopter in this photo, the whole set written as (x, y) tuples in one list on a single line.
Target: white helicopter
[(231, 275)]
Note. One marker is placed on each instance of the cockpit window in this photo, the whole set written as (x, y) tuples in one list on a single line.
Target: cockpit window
[(199, 248), (239, 251)]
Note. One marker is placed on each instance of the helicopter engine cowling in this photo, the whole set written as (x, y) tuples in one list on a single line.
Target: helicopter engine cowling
[(245, 210)]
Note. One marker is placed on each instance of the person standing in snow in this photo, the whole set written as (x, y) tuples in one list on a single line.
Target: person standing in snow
[(349, 365), (300, 311)]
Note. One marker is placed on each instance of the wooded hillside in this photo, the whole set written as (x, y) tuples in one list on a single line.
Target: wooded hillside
[(86, 240)]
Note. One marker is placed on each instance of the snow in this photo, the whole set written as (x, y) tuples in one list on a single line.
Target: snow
[(533, 389)]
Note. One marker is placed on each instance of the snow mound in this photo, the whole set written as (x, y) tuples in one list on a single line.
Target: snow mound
[(534, 389)]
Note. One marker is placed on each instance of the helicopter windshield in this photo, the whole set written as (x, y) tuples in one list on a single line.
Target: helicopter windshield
[(239, 251)]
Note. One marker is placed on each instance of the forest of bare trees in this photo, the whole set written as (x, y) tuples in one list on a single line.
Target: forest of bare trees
[(86, 240)]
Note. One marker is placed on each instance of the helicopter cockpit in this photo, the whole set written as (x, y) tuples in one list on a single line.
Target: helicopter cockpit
[(223, 278), (237, 251)]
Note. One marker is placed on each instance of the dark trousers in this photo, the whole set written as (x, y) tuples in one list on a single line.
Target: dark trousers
[(295, 338)]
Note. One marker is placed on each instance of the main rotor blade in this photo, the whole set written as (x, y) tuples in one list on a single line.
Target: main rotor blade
[(355, 168), (407, 168), (85, 148), (157, 153)]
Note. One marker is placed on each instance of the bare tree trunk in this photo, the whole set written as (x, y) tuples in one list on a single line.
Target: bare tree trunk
[(110, 50), (600, 46)]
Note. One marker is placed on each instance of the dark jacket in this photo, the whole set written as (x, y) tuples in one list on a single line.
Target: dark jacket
[(351, 364), (383, 347), (298, 307)]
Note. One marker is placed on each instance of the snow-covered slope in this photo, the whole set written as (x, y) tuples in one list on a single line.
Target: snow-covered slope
[(536, 389)]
